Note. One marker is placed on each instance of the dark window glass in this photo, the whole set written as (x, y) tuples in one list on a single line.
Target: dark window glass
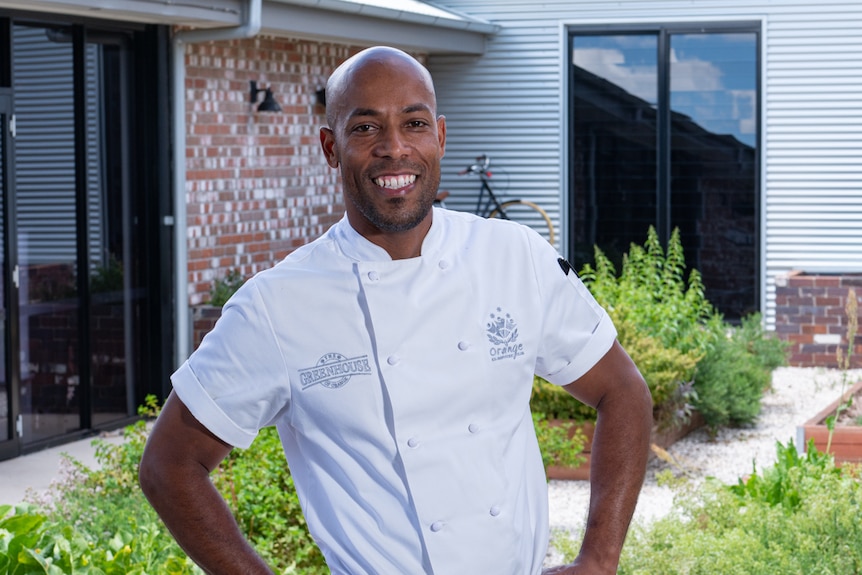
[(664, 134), (615, 91), (713, 99)]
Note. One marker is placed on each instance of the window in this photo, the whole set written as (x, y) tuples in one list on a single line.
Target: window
[(665, 133)]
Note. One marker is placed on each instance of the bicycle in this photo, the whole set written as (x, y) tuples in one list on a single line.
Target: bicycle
[(519, 210)]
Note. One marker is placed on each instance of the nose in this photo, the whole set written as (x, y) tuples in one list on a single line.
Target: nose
[(392, 144)]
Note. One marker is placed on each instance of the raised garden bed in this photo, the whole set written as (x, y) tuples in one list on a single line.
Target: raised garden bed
[(663, 438), (846, 443)]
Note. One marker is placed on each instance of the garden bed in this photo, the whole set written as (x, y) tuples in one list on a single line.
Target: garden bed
[(846, 443), (663, 438)]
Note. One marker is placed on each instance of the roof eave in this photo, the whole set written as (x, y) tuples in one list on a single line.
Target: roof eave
[(332, 20), (366, 27)]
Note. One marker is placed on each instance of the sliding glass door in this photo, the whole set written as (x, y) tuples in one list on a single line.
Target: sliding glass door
[(80, 230)]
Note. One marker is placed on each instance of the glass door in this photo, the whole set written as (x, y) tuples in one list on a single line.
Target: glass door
[(48, 226), (9, 446)]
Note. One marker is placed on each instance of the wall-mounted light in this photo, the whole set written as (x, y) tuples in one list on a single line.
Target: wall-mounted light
[(268, 104), (320, 95)]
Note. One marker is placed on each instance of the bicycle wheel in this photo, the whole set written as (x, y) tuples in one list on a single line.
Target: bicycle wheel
[(527, 213)]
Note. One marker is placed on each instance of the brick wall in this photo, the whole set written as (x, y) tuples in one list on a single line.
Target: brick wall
[(257, 186), (810, 314)]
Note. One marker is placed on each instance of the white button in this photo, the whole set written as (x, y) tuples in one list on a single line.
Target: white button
[(473, 428), (373, 276), (463, 345), (494, 511), (437, 526), (443, 264), (393, 359), (412, 442)]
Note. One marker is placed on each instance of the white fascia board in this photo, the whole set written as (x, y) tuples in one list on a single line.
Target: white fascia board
[(406, 24), (194, 13), (402, 11), (357, 27)]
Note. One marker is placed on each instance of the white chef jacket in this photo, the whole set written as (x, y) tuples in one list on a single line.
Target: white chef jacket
[(400, 390)]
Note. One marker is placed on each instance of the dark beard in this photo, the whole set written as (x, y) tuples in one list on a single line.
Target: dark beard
[(386, 223)]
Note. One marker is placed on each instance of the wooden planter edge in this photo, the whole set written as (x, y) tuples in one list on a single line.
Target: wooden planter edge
[(846, 440), (663, 438)]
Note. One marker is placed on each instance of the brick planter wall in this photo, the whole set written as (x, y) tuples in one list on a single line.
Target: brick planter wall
[(809, 313), (204, 318)]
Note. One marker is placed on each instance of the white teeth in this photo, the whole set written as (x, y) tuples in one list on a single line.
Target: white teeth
[(395, 182)]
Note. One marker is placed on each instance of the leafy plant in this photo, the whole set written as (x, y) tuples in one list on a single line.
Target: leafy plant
[(689, 356), (106, 513), (781, 483), (851, 307), (651, 293), (668, 372), (796, 517), (31, 542), (108, 277), (561, 443), (730, 380), (224, 288), (259, 490)]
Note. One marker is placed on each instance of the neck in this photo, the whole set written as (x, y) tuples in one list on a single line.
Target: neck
[(399, 245)]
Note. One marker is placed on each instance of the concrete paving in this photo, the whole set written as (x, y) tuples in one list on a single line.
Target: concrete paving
[(37, 470)]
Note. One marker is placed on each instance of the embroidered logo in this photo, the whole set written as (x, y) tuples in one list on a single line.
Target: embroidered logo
[(333, 370), (503, 335)]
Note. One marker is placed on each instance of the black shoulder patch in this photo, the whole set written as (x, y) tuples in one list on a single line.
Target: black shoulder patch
[(566, 266)]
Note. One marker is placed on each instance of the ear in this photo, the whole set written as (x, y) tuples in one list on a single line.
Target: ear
[(327, 143), (441, 134)]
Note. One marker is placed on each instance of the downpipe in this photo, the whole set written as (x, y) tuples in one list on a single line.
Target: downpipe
[(248, 29)]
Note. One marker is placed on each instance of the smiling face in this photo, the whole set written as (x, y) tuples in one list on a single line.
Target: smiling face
[(385, 137)]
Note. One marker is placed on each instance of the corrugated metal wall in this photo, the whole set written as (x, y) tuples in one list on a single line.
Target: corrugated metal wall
[(509, 104)]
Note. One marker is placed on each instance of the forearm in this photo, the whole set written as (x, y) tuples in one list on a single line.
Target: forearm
[(201, 522), (617, 468), (175, 476)]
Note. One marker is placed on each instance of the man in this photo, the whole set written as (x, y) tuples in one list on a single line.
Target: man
[(395, 355)]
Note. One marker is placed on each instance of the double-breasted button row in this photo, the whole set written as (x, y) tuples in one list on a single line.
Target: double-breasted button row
[(374, 275), (436, 526)]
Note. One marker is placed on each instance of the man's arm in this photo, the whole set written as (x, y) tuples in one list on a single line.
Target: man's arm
[(615, 387), (174, 475)]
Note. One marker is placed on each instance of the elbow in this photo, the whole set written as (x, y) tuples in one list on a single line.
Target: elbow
[(151, 476)]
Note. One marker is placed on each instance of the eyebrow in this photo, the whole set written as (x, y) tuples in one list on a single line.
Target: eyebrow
[(411, 109)]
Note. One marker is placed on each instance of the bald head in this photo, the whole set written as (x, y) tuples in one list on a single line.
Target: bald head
[(365, 66)]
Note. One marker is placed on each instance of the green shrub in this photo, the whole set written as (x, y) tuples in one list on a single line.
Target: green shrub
[(735, 371), (225, 287), (667, 371), (651, 293), (558, 444), (100, 518), (104, 507), (33, 543), (796, 518), (259, 489), (689, 356)]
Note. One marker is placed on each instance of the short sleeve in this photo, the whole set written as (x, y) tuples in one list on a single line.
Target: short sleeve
[(236, 382), (576, 330)]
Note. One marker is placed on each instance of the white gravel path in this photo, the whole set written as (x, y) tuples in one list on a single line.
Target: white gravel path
[(797, 394)]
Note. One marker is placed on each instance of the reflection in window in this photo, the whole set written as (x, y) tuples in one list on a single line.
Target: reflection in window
[(713, 87), (615, 90), (683, 157)]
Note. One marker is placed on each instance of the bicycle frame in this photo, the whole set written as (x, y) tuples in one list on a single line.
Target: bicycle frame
[(491, 203)]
